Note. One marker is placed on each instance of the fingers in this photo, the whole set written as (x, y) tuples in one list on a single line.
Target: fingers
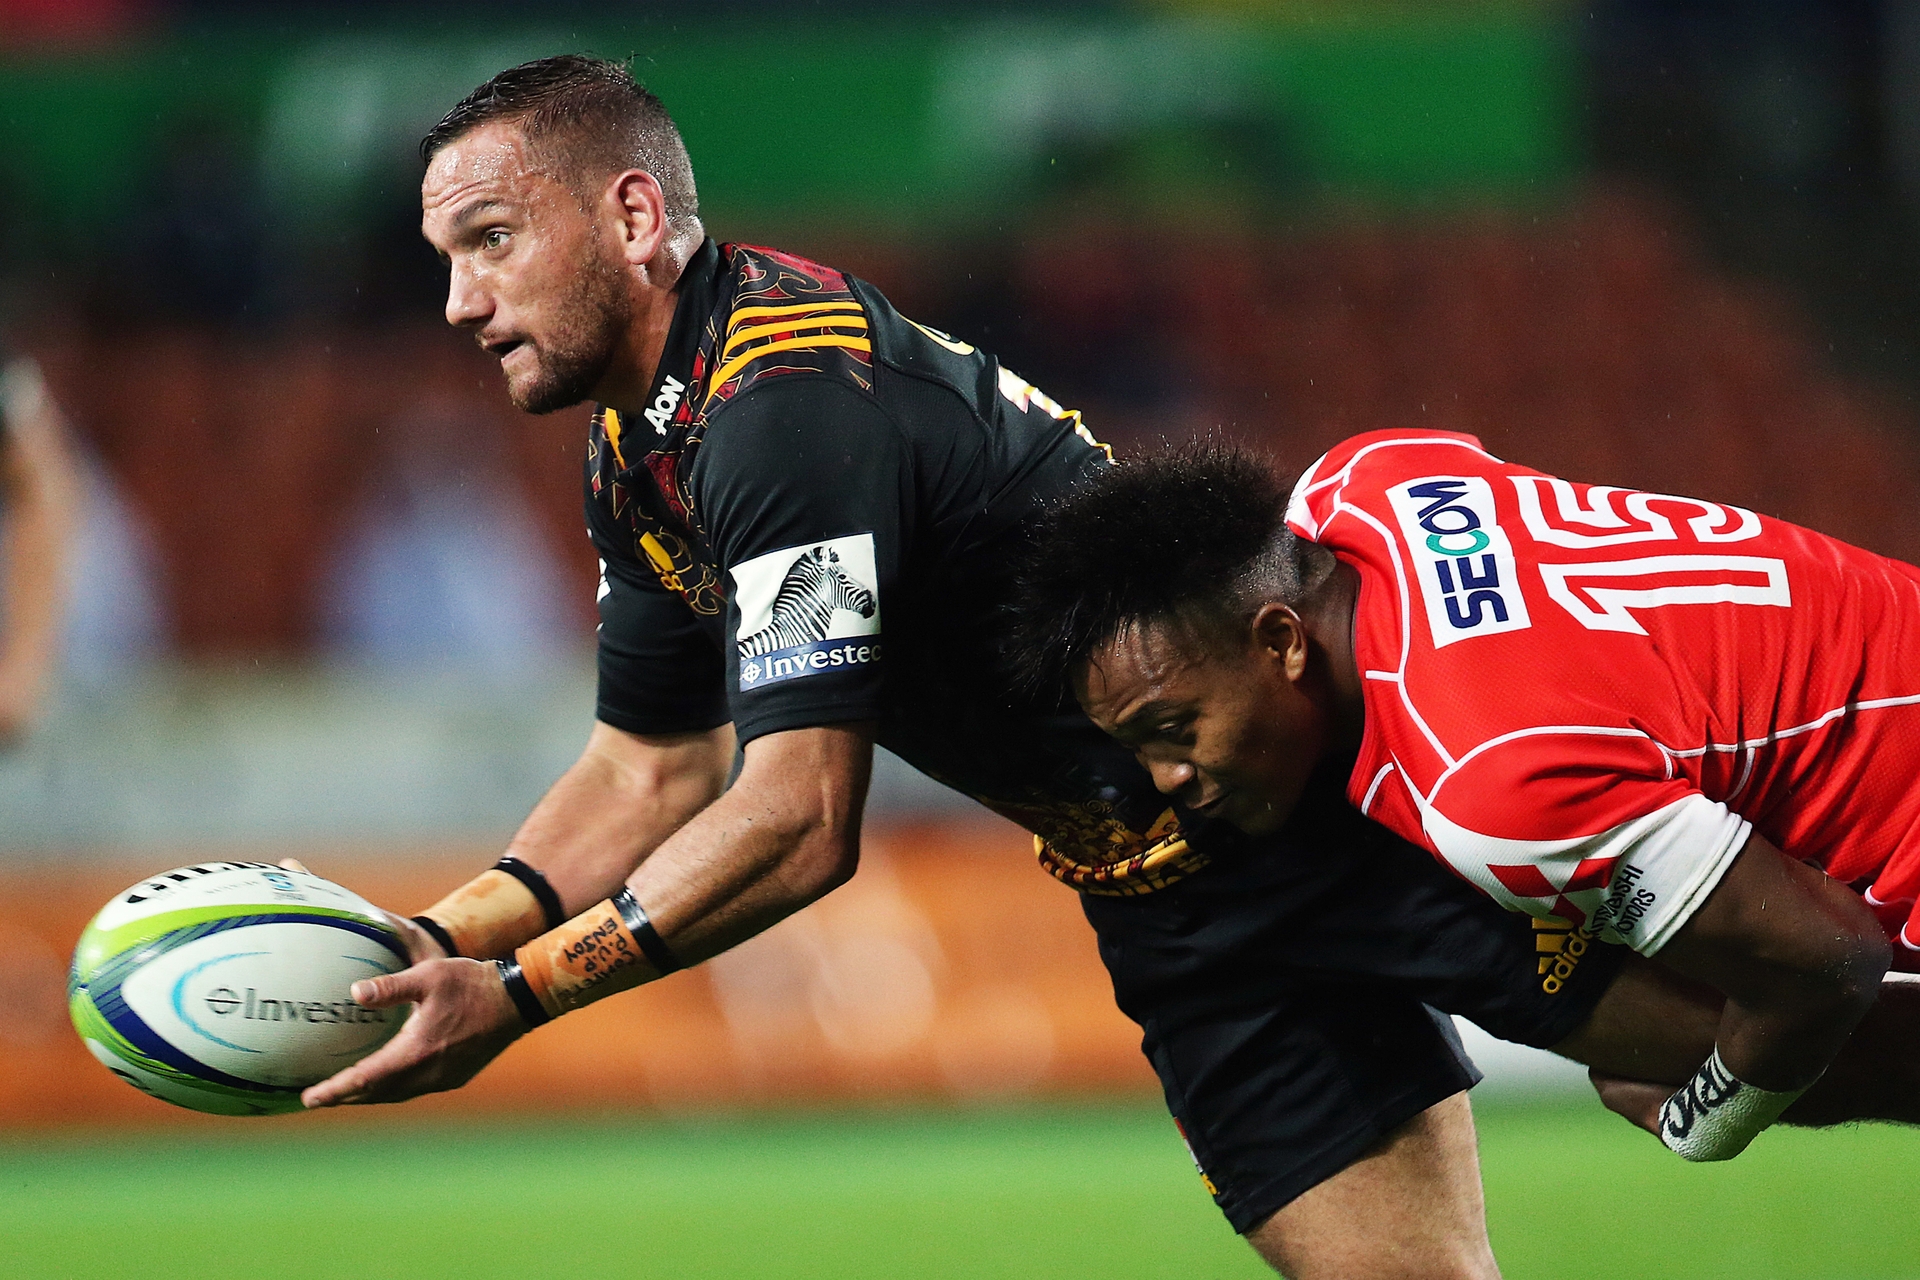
[(409, 986), (337, 1090), (355, 1083), (462, 1020), (419, 943), (1638, 1101), (294, 864), (388, 1074)]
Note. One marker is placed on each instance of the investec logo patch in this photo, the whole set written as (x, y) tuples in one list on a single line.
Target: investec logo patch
[(1461, 556), (808, 610)]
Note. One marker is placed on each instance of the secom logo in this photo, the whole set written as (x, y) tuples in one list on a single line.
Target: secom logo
[(1468, 579)]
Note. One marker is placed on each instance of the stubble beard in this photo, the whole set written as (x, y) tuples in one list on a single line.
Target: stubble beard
[(571, 362)]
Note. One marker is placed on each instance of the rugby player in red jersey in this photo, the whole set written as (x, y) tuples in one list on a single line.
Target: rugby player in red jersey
[(1668, 722)]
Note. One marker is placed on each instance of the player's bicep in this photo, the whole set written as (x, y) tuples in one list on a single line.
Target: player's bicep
[(1770, 923)]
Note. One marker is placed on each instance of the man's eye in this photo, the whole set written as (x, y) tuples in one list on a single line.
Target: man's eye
[(494, 238)]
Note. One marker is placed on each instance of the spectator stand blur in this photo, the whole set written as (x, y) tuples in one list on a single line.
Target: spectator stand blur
[(441, 563), (1592, 338), (77, 611), (347, 497)]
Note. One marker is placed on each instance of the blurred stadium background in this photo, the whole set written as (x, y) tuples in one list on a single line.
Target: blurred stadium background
[(329, 596)]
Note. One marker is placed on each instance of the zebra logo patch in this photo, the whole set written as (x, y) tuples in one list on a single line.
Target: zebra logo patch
[(807, 610)]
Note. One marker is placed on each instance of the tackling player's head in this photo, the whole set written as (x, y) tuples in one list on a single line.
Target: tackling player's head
[(1189, 622), (561, 196)]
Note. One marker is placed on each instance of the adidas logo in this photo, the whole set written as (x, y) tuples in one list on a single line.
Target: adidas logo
[(1560, 947)]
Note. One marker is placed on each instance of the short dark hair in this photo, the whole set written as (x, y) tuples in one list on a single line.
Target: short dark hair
[(1193, 534), (587, 115)]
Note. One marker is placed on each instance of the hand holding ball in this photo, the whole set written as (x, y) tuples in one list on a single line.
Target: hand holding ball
[(223, 987)]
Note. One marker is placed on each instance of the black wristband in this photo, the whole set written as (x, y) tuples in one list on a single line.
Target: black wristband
[(521, 991), (652, 945), (536, 885), (438, 934)]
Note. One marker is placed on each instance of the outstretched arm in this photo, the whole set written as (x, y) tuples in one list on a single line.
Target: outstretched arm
[(786, 833)]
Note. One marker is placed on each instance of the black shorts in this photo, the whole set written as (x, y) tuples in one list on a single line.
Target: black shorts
[(1288, 996)]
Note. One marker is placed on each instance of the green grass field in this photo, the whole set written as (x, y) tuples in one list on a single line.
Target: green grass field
[(1059, 1192)]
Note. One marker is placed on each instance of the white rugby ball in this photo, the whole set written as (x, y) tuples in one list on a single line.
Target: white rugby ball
[(222, 987)]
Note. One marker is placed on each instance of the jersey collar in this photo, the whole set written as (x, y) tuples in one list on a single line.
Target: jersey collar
[(672, 399)]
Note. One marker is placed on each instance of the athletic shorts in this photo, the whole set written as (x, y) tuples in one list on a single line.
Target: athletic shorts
[(1293, 995)]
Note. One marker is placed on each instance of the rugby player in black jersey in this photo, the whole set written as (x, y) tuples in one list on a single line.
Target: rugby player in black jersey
[(806, 505)]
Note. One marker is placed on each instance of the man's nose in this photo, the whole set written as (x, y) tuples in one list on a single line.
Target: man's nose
[(467, 304), (1170, 776)]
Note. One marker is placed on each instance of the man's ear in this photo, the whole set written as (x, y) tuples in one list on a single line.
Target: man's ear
[(639, 209), (1278, 631)]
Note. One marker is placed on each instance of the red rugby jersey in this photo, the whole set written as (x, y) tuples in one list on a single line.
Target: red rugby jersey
[(1583, 698)]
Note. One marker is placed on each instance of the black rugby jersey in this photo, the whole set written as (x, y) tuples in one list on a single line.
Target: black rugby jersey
[(810, 522)]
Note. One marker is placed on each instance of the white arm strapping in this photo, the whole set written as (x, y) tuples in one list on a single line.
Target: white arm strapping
[(1716, 1114)]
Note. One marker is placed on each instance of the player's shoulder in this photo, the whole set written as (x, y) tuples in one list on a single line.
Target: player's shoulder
[(1366, 465), (783, 315), (910, 375)]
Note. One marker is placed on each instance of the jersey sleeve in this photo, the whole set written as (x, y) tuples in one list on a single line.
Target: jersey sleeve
[(1587, 830), (660, 671), (807, 486)]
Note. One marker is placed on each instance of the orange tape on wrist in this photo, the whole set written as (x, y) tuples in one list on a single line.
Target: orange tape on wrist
[(490, 915), (588, 958)]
